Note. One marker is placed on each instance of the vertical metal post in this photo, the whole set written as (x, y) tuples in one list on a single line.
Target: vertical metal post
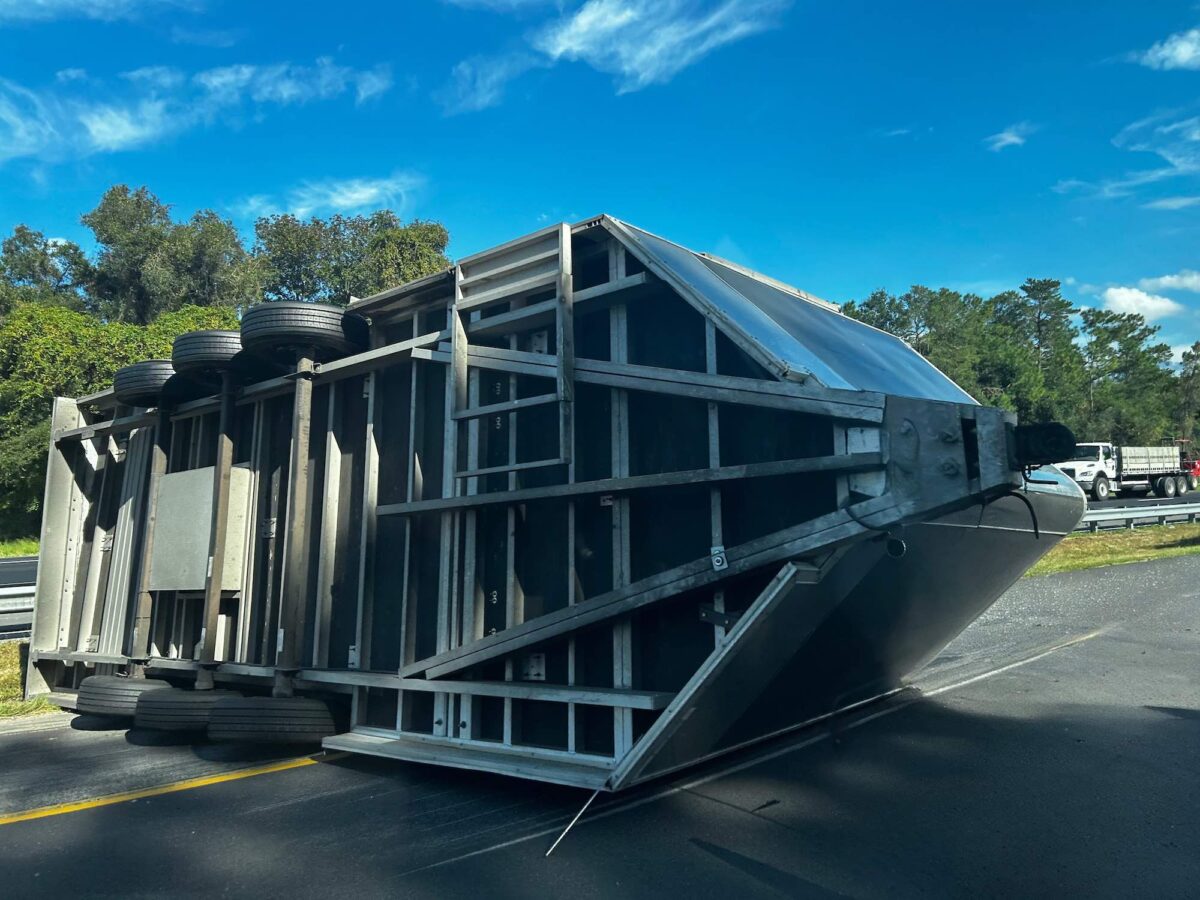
[(140, 646), (218, 531), (293, 611)]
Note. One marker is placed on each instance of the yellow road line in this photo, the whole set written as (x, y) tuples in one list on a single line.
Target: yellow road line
[(187, 784)]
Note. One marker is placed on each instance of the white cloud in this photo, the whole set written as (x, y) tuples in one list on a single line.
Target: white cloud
[(121, 128), (479, 82), (1172, 203), (1179, 51), (200, 37), (105, 10), (1183, 280), (1012, 136), (506, 6), (1134, 300), (640, 42), (644, 42), (63, 76), (1176, 141), (337, 195), (155, 77), (152, 103)]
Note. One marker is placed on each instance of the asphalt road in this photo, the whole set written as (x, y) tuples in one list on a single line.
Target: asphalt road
[(1053, 749), (1143, 500), (18, 570)]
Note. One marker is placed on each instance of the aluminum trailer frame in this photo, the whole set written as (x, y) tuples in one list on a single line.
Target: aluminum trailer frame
[(590, 508)]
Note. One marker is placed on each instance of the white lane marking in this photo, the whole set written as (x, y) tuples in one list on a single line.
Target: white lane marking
[(767, 757)]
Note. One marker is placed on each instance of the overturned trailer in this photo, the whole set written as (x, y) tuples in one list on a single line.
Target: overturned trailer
[(587, 507)]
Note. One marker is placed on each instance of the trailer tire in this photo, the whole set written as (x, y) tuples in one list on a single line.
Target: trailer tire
[(141, 384), (205, 352), (177, 709), (271, 720), (1101, 489), (112, 695), (1165, 486), (283, 327), (1181, 485)]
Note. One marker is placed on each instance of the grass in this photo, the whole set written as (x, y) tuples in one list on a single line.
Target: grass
[(11, 703), (1117, 547), (19, 547)]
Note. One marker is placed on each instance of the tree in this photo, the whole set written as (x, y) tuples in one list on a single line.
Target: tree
[(129, 226), (202, 263), (48, 351), (1189, 392), (1130, 388), (331, 260), (37, 269)]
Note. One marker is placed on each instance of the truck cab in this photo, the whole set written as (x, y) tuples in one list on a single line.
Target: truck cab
[(1093, 466)]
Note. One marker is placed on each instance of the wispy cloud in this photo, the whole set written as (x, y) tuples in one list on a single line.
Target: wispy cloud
[(506, 6), (479, 82), (639, 42), (1172, 203), (104, 10), (152, 103), (1167, 135), (65, 76), (645, 42), (336, 195), (1012, 136), (205, 37), (1179, 51), (1183, 280), (1135, 300)]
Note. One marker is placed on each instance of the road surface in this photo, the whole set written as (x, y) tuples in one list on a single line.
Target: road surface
[(1053, 749)]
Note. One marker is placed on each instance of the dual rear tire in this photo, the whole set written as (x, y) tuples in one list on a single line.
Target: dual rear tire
[(271, 720), (112, 695)]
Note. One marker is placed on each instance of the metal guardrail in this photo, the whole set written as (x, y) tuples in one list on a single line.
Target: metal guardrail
[(17, 579), (1132, 516)]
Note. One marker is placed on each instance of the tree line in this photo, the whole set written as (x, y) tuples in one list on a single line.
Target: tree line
[(1104, 374), (70, 317)]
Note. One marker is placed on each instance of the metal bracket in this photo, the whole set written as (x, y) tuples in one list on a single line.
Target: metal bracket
[(106, 544), (352, 657), (267, 528), (719, 561), (714, 616)]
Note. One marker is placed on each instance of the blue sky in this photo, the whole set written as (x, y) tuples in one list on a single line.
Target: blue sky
[(838, 146)]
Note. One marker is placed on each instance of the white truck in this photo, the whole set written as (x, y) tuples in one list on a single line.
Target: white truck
[(1102, 469)]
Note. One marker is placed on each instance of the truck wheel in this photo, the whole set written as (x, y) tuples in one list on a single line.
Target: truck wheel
[(205, 352), (275, 329), (112, 695), (1191, 482), (1101, 489), (271, 720), (1181, 485), (177, 709), (1166, 486), (141, 384)]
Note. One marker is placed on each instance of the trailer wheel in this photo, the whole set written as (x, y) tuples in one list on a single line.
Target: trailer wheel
[(1181, 485), (1191, 482), (141, 384), (1165, 486), (177, 709), (271, 720), (281, 328), (1101, 489), (112, 695), (205, 352)]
